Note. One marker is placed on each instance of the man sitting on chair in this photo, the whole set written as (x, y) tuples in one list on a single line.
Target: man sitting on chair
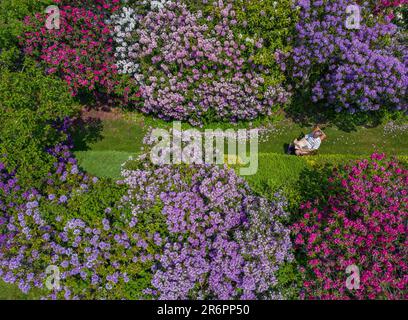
[(310, 143)]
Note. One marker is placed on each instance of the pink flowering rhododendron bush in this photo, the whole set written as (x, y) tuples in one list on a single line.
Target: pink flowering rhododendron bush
[(105, 6), (383, 4), (397, 10), (81, 50), (361, 220)]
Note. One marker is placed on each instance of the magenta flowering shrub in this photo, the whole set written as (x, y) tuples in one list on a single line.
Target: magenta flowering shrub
[(348, 69), (193, 67), (391, 3), (361, 221), (81, 51), (105, 6)]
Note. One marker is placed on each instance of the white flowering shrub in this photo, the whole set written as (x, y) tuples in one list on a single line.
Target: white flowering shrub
[(125, 23)]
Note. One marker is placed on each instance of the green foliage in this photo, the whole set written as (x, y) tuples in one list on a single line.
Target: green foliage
[(283, 172), (289, 281), (401, 17), (87, 203), (30, 103), (12, 14), (304, 111), (270, 20)]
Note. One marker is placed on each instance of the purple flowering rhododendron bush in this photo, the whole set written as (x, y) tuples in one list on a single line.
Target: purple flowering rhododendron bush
[(192, 67), (177, 233), (361, 221), (221, 241), (353, 69)]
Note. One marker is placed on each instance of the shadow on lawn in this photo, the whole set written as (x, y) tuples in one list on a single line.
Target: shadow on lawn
[(85, 132), (286, 145), (307, 114), (313, 183)]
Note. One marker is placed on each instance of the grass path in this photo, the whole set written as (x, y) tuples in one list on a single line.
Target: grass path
[(119, 139)]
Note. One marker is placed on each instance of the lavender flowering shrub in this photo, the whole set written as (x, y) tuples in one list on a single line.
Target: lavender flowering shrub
[(169, 232), (262, 26), (9, 191), (74, 225), (220, 240), (355, 69), (192, 66)]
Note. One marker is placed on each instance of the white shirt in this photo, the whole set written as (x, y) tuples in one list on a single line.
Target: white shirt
[(313, 143)]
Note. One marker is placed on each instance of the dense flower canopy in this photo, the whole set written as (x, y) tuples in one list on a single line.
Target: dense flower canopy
[(199, 231), (362, 221), (191, 66), (222, 242), (169, 232), (199, 62), (348, 69), (81, 51)]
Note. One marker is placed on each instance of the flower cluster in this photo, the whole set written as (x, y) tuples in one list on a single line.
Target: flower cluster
[(362, 221), (220, 241), (9, 191), (55, 226), (81, 51), (165, 232), (124, 24), (105, 6), (392, 3), (191, 65), (348, 69)]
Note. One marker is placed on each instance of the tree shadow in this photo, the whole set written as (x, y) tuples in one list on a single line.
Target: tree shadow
[(306, 114), (97, 101), (86, 132), (313, 183)]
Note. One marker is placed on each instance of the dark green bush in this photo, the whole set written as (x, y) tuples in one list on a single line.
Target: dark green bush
[(30, 106), (12, 14)]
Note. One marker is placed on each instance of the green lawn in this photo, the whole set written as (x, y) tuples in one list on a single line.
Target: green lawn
[(117, 140), (108, 144), (11, 292), (102, 163), (120, 139), (110, 135), (361, 141)]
